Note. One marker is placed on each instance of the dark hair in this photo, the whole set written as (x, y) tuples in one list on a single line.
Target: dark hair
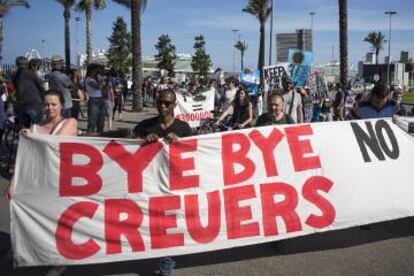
[(237, 102), (380, 90), (275, 94), (22, 62), (54, 92), (35, 63), (166, 91)]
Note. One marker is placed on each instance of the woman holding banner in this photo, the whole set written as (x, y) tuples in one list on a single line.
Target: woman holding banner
[(241, 109), (54, 124)]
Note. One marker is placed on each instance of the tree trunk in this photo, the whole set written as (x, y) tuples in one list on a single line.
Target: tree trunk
[(262, 60), (241, 61), (377, 50), (66, 16), (343, 40), (1, 39), (136, 56), (88, 15)]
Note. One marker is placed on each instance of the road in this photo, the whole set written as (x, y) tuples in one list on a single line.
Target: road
[(384, 249)]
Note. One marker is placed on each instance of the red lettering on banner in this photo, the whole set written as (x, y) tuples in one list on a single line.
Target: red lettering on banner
[(235, 214), (230, 157), (298, 148), (267, 147), (133, 164), (310, 193), (192, 217), (89, 171), (177, 165), (160, 222), (63, 234), (115, 227), (284, 209)]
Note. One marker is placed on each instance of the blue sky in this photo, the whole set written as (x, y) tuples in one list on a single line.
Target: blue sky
[(183, 19)]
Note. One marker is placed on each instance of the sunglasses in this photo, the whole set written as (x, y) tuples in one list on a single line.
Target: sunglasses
[(166, 103)]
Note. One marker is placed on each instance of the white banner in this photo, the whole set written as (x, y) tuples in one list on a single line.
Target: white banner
[(194, 109), (92, 200)]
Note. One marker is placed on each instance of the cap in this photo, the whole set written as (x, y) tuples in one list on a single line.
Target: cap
[(56, 58)]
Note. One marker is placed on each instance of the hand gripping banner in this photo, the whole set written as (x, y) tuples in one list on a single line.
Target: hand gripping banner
[(92, 200)]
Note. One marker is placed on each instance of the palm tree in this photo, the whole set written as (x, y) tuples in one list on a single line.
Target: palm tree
[(5, 6), (260, 9), (343, 40), (377, 41), (67, 5), (242, 47), (87, 7), (136, 6)]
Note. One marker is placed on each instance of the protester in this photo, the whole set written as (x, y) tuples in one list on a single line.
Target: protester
[(307, 103), (118, 100), (96, 105), (58, 80), (397, 97), (54, 124), (377, 105), (108, 97), (275, 112), (165, 126), (230, 93), (3, 99), (339, 103), (241, 109), (29, 90), (293, 101), (76, 93)]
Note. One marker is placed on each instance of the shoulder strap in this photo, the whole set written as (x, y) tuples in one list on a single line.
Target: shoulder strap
[(291, 103), (51, 132)]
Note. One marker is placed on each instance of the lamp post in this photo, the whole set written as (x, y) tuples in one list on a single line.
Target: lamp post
[(390, 13), (235, 31), (271, 34), (311, 28), (77, 18)]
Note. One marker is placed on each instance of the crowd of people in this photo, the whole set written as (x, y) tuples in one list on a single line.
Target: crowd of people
[(54, 108)]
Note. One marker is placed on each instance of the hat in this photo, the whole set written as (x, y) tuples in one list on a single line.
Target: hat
[(57, 58)]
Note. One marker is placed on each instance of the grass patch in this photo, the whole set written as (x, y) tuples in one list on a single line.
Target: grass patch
[(408, 97)]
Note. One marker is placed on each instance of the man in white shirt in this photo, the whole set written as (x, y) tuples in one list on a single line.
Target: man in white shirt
[(293, 100)]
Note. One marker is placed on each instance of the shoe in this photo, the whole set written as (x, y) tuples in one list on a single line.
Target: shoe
[(166, 266)]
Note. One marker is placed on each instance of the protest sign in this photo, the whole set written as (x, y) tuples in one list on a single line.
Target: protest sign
[(317, 84), (80, 200), (273, 76), (193, 109), (300, 63), (250, 81)]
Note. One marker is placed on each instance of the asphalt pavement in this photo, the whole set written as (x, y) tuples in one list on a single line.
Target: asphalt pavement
[(384, 249)]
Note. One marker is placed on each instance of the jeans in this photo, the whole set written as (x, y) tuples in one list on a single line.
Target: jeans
[(96, 115)]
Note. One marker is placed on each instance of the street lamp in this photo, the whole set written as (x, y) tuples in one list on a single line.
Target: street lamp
[(271, 34), (235, 31), (311, 15), (390, 13), (311, 28), (77, 18)]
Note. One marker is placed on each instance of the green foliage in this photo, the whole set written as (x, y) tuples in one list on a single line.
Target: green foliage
[(166, 55), (201, 61), (259, 8), (6, 5), (377, 41), (120, 47)]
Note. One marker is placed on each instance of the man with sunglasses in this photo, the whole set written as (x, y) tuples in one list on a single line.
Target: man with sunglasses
[(165, 125)]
